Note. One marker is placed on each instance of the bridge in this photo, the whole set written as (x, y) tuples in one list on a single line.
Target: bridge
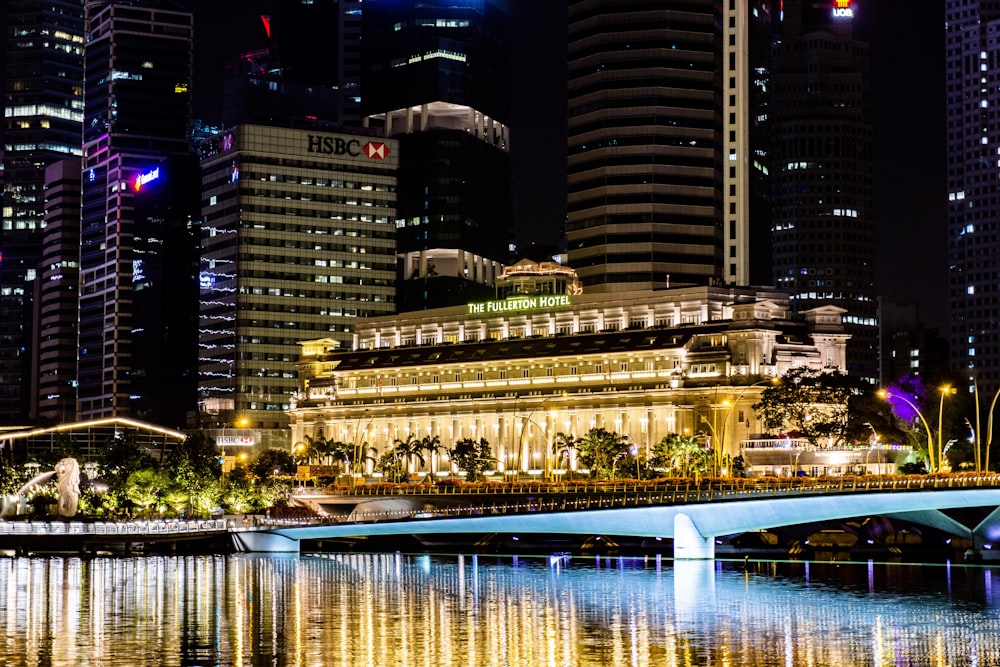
[(691, 513)]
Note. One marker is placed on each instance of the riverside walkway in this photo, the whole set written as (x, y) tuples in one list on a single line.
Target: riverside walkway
[(23, 537)]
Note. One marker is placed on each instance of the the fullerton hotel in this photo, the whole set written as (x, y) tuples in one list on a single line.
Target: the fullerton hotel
[(546, 359)]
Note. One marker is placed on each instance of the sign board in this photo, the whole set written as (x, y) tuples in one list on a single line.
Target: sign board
[(519, 303), (235, 441)]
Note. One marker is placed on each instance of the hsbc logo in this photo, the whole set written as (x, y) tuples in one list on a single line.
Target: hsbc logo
[(341, 146), (376, 151)]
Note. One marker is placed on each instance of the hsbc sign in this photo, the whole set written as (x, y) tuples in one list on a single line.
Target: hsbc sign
[(334, 145)]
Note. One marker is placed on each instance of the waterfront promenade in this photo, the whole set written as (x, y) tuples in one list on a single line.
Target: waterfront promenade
[(689, 511)]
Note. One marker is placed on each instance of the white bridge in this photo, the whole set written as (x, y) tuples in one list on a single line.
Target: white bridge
[(692, 519)]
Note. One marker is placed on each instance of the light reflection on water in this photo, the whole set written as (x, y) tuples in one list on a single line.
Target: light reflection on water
[(392, 609)]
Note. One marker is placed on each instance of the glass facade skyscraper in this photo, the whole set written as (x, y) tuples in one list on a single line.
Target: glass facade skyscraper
[(43, 111), (135, 138), (972, 63), (824, 226), (436, 76)]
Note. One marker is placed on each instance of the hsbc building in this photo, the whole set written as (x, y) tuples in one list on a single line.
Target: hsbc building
[(298, 242)]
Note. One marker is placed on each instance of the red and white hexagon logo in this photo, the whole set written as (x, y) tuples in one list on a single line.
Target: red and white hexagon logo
[(375, 151)]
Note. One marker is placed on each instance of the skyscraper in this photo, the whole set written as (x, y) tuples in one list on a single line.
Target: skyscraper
[(972, 65), (43, 110), (298, 243), (57, 297), (823, 170), (436, 76), (668, 150), (137, 114)]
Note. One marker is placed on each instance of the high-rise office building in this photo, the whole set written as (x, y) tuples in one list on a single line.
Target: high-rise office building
[(43, 111), (135, 203), (308, 76), (436, 76), (668, 150), (972, 63), (57, 297), (298, 243), (823, 169)]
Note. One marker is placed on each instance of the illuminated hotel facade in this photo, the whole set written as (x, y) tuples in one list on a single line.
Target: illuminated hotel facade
[(520, 370), (298, 242)]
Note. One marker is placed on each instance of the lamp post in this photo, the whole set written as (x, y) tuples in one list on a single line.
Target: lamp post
[(872, 444), (358, 443), (989, 430), (634, 451), (729, 413), (886, 395), (946, 390)]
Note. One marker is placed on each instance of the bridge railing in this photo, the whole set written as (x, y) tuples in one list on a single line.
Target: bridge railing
[(705, 485), (515, 498)]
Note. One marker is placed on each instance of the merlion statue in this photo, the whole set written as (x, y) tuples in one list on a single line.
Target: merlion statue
[(68, 486)]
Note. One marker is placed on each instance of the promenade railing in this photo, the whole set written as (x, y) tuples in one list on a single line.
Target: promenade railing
[(112, 528)]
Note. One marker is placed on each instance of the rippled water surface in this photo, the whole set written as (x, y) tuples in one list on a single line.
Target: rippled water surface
[(393, 609)]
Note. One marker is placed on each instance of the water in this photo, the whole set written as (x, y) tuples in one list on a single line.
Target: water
[(434, 611)]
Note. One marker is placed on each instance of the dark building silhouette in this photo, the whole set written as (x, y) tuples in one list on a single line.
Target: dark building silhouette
[(308, 76), (57, 298), (43, 110), (436, 76), (139, 218), (824, 243), (972, 66)]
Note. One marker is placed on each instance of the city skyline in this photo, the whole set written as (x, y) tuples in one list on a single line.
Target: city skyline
[(909, 134)]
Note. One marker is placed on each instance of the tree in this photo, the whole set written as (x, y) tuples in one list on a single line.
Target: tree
[(564, 447), (339, 453), (472, 457), (813, 403), (272, 463), (432, 445), (600, 449), (239, 495), (143, 487), (390, 465), (681, 456), (409, 451), (122, 457), (315, 448)]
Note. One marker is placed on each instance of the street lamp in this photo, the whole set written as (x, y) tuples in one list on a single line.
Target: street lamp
[(729, 413), (634, 451), (872, 444), (886, 395), (946, 390), (989, 430)]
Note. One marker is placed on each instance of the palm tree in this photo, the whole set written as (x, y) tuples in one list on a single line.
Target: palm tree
[(599, 449), (409, 450), (316, 447), (339, 453), (365, 453), (432, 445), (681, 455), (565, 448)]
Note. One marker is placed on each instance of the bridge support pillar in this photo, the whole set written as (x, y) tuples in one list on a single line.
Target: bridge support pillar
[(254, 541), (689, 544)]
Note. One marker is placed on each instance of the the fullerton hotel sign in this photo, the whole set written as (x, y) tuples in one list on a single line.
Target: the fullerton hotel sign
[(518, 303)]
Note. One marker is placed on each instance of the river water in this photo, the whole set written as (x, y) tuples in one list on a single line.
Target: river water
[(435, 611)]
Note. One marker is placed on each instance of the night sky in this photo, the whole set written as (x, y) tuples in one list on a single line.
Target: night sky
[(907, 47)]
